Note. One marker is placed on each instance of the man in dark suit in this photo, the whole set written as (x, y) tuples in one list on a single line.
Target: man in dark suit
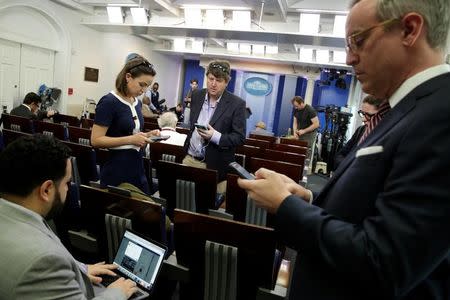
[(30, 108), (380, 227), (224, 115), (369, 108)]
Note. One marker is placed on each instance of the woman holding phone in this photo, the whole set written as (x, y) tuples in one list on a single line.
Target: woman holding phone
[(118, 126)]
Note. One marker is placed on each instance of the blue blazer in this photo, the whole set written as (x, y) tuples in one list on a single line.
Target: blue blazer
[(229, 119), (380, 228)]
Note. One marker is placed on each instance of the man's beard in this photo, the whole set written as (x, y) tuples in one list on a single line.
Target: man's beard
[(57, 207)]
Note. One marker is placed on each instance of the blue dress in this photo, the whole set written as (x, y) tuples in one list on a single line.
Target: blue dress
[(125, 163)]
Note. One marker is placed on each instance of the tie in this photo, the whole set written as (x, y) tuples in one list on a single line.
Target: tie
[(382, 110)]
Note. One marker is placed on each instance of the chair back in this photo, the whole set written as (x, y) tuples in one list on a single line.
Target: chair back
[(221, 267), (52, 129), (17, 123), (185, 195), (293, 142), (168, 157), (255, 215), (115, 228)]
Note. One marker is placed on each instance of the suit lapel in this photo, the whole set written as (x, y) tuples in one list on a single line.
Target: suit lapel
[(221, 108)]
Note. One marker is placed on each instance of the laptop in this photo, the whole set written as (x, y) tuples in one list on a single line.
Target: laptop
[(139, 259)]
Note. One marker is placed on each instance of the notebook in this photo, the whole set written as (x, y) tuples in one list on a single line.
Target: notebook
[(139, 259)]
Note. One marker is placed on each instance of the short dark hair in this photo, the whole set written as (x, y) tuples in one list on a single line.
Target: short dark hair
[(369, 99), (194, 80), (136, 67), (297, 99), (29, 161), (32, 98), (220, 69), (155, 83)]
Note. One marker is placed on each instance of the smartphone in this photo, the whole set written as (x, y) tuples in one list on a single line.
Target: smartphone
[(200, 126), (159, 138), (243, 173)]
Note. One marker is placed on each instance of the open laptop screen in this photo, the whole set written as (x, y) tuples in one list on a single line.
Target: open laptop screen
[(139, 259)]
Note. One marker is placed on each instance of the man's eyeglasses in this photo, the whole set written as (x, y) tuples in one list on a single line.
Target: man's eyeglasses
[(220, 67), (363, 114), (356, 40)]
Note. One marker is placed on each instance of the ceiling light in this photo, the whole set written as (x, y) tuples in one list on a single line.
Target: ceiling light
[(339, 57), (233, 47), (271, 49), (245, 48), (124, 4), (115, 14), (241, 20), (193, 16), (322, 56), (339, 26), (221, 7), (258, 49), (179, 44), (306, 54), (214, 18), (197, 46), (309, 24), (140, 15)]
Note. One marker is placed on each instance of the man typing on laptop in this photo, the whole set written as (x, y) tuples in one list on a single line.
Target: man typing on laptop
[(34, 177)]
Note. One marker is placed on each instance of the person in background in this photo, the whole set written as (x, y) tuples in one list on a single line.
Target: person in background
[(380, 227), (34, 175), (260, 128), (187, 99), (224, 115), (305, 123), (146, 110), (118, 126), (369, 108), (168, 122), (154, 97), (30, 108)]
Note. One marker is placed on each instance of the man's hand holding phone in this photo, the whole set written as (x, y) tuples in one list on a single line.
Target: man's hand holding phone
[(205, 131)]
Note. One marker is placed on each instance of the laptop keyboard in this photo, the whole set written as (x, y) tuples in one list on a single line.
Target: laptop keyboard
[(107, 280), (136, 295)]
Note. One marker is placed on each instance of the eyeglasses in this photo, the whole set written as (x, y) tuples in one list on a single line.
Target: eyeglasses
[(220, 67), (363, 114), (356, 40)]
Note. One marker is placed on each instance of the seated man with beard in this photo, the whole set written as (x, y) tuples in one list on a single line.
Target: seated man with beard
[(34, 177)]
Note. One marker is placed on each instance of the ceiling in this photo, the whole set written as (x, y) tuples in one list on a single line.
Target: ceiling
[(274, 22)]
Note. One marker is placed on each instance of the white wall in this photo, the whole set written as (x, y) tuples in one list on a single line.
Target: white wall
[(78, 46)]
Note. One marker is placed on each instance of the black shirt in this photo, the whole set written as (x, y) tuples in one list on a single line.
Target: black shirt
[(304, 117)]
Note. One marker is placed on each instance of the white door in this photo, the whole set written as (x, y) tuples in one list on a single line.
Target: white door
[(9, 74), (36, 68)]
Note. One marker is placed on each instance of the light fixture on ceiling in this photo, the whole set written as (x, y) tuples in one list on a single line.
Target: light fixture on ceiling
[(241, 19), (233, 47), (339, 57), (258, 49), (322, 56), (197, 46), (339, 25), (193, 16), (306, 54), (215, 7), (140, 15), (179, 44), (214, 18), (309, 24), (115, 14), (245, 48), (272, 50)]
